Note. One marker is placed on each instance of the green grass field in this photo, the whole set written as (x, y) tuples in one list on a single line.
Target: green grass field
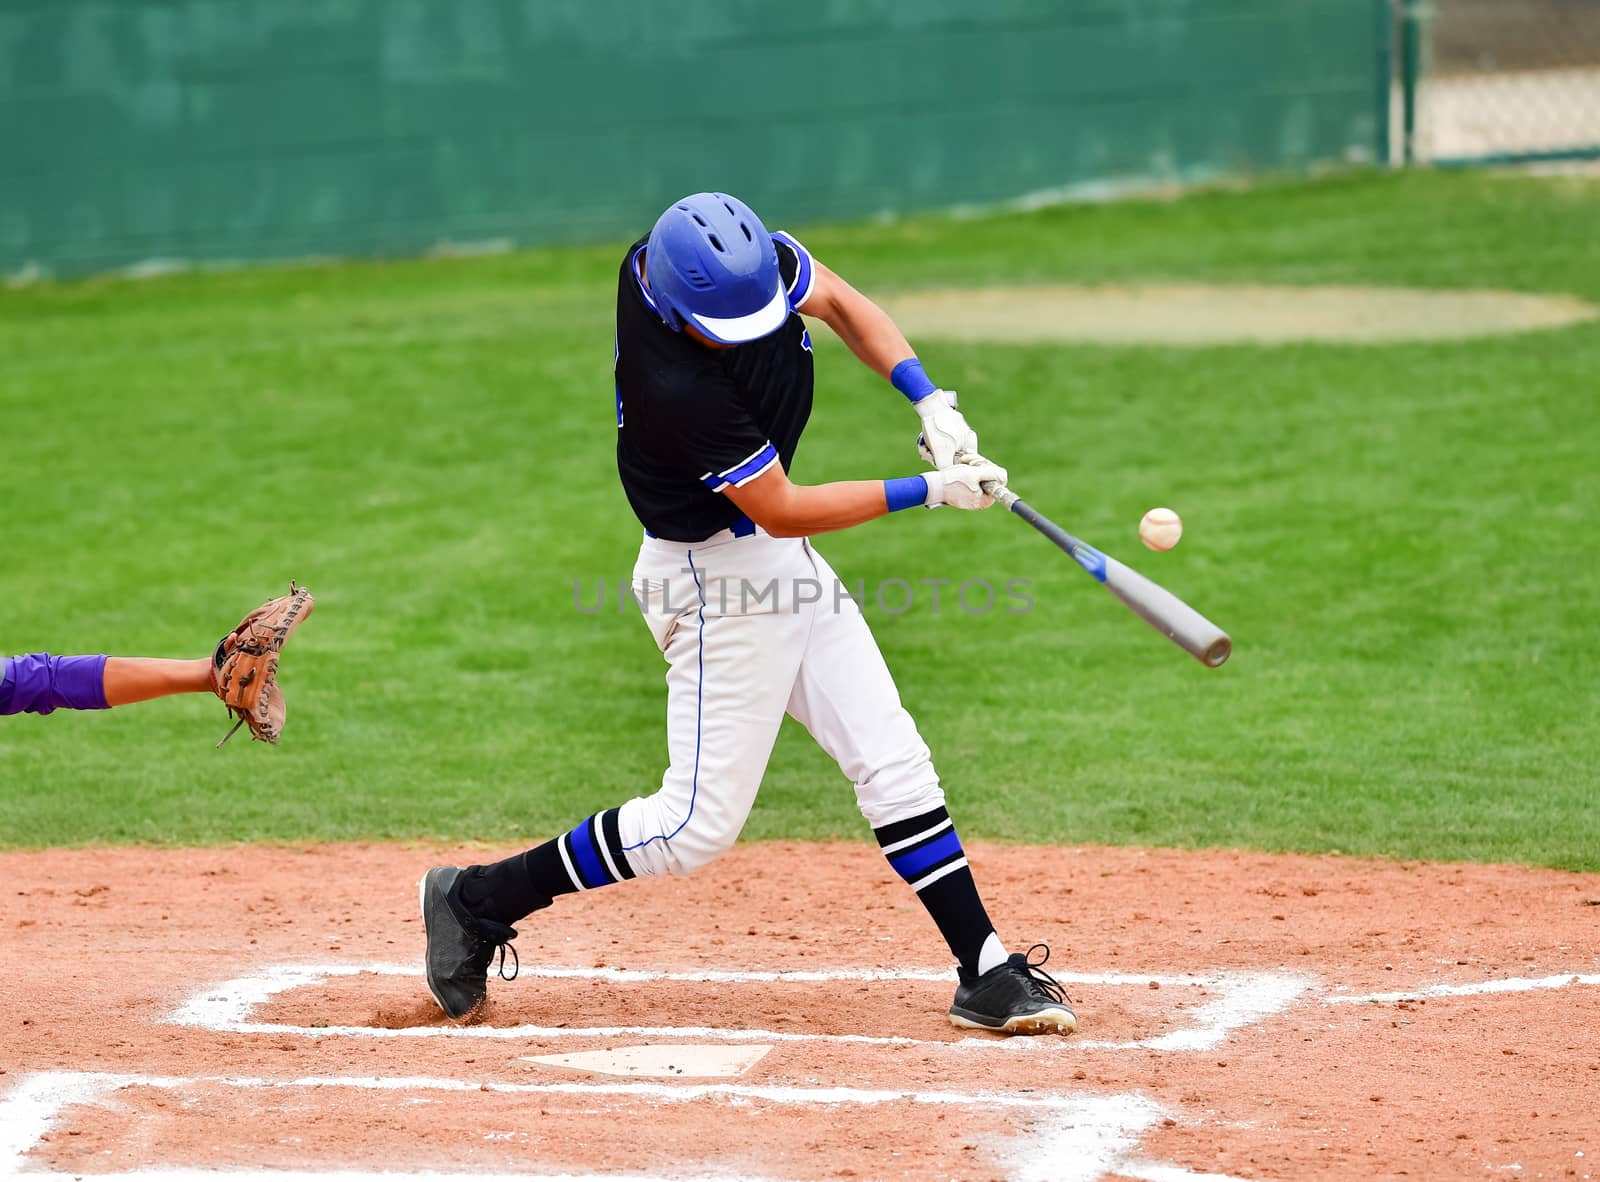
[(1397, 537)]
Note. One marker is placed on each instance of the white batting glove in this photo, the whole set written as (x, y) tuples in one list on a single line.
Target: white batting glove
[(961, 485), (944, 430)]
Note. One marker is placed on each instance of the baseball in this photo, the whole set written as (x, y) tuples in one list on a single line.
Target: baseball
[(1160, 529)]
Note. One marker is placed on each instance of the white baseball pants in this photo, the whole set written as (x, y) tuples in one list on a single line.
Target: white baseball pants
[(753, 628)]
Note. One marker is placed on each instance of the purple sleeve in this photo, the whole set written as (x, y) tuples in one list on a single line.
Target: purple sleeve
[(39, 683)]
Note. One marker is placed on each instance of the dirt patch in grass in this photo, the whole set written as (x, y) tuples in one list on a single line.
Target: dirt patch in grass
[(1190, 314)]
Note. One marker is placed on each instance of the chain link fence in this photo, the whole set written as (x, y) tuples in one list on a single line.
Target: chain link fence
[(1484, 81)]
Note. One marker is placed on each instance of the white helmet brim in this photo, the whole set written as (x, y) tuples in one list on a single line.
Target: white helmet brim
[(737, 330)]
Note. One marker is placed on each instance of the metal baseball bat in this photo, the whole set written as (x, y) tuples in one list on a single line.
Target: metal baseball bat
[(1155, 605)]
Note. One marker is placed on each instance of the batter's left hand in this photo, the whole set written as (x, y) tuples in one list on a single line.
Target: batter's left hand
[(944, 430)]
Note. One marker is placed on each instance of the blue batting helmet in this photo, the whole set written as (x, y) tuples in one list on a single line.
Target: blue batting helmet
[(710, 263)]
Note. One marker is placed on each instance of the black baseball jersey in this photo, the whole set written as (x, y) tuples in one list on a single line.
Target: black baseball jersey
[(693, 421)]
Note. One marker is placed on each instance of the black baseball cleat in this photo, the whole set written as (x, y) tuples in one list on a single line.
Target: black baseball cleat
[(1017, 997), (460, 947)]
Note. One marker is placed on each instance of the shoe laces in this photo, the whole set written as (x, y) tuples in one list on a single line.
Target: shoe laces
[(498, 937), (516, 963), (1040, 982)]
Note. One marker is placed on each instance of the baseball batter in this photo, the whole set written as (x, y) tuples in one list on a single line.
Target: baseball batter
[(242, 671), (713, 369)]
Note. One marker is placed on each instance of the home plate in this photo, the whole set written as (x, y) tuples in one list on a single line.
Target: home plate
[(660, 1061)]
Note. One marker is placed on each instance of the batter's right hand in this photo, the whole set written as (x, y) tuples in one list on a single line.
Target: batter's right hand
[(961, 485)]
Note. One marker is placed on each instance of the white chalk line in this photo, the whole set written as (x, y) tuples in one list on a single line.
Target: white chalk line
[(673, 1093), (1082, 1144), (39, 1102), (1469, 989), (1246, 998), (233, 1174), (1098, 1145), (1154, 1171), (34, 1105), (1092, 1133)]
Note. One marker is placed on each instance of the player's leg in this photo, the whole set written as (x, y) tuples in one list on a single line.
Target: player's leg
[(727, 688), (846, 697), (728, 680)]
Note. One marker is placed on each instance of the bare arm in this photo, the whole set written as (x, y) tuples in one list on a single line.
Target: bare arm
[(859, 322), (138, 679), (788, 510), (883, 348)]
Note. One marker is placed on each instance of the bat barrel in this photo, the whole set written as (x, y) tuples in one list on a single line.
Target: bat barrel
[(1153, 604), (1168, 614)]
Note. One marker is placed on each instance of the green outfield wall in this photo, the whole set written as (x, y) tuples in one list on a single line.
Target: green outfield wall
[(208, 130)]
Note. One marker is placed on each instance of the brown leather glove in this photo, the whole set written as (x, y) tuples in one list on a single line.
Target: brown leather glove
[(244, 670)]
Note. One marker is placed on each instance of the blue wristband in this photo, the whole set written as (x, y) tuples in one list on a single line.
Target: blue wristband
[(905, 492), (910, 380)]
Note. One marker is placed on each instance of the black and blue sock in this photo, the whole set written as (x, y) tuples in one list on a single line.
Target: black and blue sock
[(587, 856), (926, 852)]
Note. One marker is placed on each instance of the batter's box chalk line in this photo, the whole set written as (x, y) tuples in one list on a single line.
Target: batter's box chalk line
[(1468, 989), (1244, 998), (1073, 1138)]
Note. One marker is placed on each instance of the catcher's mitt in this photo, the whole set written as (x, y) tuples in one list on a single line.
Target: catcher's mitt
[(244, 670)]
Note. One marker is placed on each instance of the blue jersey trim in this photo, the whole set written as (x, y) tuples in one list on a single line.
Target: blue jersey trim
[(699, 714), (752, 466), (616, 359), (913, 862), (804, 275), (633, 266), (745, 470)]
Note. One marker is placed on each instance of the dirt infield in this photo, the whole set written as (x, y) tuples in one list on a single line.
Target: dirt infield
[(261, 1011), (1190, 314)]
